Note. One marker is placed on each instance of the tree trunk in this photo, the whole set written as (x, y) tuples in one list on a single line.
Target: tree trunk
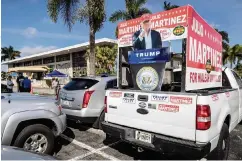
[(91, 57)]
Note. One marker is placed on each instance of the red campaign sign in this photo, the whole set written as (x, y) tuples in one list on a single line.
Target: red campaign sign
[(170, 24), (204, 54)]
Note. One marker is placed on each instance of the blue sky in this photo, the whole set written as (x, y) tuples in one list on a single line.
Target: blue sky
[(27, 27)]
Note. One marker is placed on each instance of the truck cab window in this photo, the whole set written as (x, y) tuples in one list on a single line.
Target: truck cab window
[(237, 78), (225, 81)]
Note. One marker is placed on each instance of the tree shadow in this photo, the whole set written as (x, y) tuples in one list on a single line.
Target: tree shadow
[(60, 142)]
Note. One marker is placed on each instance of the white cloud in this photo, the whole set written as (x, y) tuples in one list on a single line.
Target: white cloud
[(46, 20), (29, 50), (31, 32), (214, 25)]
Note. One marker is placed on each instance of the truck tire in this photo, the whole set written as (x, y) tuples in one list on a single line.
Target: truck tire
[(101, 119), (37, 138), (222, 150)]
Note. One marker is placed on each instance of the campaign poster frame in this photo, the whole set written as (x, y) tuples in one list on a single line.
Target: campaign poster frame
[(178, 24)]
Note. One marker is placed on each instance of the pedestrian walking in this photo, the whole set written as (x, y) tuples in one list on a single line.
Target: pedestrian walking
[(10, 84), (27, 84), (19, 81)]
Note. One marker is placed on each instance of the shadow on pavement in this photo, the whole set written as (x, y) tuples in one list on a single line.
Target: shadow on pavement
[(78, 126), (60, 142), (146, 154)]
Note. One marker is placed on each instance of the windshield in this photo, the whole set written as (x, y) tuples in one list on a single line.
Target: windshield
[(80, 84)]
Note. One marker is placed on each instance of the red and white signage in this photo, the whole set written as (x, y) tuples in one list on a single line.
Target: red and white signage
[(168, 108), (115, 94), (172, 25), (204, 43), (204, 54), (180, 100)]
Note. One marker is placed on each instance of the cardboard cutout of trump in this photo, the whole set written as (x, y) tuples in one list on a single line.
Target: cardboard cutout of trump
[(146, 38)]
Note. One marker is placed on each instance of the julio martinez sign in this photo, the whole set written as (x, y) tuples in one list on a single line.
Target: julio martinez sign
[(148, 68)]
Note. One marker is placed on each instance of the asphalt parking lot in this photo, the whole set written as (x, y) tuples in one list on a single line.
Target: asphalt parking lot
[(80, 142)]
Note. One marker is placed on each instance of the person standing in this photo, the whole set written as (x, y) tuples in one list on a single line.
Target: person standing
[(27, 84), (10, 84), (19, 81)]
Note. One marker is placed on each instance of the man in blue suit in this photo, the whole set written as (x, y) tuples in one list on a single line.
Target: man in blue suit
[(146, 38)]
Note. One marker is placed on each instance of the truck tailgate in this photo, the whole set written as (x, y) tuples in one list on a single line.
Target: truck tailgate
[(163, 113)]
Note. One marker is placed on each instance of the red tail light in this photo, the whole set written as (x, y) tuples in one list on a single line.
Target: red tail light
[(86, 98), (105, 105), (203, 119)]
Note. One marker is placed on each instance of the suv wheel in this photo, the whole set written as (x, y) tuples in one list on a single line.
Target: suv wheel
[(37, 138)]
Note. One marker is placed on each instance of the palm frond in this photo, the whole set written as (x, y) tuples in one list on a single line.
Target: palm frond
[(140, 3), (118, 15), (143, 11), (66, 8)]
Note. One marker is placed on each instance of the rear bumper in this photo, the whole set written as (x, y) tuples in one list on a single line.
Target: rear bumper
[(159, 142)]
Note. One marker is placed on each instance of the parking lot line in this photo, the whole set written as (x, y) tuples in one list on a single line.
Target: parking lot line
[(91, 149), (95, 151)]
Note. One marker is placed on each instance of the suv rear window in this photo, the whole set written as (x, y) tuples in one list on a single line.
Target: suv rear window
[(80, 84)]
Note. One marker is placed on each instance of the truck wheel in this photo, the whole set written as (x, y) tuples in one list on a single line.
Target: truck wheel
[(37, 138), (222, 150), (101, 119)]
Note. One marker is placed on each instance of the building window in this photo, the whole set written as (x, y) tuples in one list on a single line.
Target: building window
[(49, 60), (37, 62), (65, 57), (27, 63)]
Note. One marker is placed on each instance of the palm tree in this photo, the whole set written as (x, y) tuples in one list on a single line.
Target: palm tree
[(92, 12), (168, 6), (233, 55), (134, 9), (9, 53)]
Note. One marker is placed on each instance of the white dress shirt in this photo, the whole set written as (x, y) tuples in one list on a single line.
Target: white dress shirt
[(148, 40)]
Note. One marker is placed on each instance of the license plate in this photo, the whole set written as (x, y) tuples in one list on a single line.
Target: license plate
[(143, 136), (67, 103)]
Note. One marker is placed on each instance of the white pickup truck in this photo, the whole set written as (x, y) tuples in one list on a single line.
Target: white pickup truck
[(194, 123)]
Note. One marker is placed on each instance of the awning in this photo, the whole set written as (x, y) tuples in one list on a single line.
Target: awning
[(29, 69)]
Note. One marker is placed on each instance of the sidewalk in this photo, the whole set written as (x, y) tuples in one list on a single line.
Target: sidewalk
[(40, 91)]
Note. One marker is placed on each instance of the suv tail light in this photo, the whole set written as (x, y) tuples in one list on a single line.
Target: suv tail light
[(203, 118), (105, 105), (86, 98)]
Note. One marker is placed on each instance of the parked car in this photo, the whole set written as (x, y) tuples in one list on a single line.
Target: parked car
[(196, 122), (82, 98), (30, 122), (13, 153)]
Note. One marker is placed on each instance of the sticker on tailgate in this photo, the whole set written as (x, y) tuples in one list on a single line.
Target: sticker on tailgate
[(180, 100), (115, 94), (168, 108), (159, 98), (129, 100), (129, 95)]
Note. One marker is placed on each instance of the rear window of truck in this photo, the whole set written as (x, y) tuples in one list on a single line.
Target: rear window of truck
[(80, 84)]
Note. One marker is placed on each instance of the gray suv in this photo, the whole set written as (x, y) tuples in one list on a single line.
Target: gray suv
[(82, 99), (30, 122)]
